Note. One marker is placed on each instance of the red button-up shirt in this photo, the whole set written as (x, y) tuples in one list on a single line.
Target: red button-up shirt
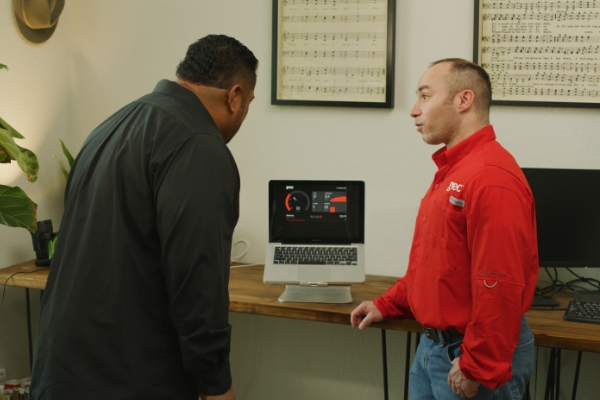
[(473, 263)]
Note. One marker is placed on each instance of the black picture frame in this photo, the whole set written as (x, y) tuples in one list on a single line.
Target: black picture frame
[(539, 53), (333, 49)]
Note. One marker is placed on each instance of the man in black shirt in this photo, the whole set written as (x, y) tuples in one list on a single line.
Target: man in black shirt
[(136, 304)]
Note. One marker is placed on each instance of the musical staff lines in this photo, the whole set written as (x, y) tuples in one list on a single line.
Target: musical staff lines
[(334, 54), (506, 38), (335, 18), (541, 5), (542, 77), (333, 90), (333, 36), (325, 71), (506, 51), (562, 93), (580, 16), (329, 2), (543, 66)]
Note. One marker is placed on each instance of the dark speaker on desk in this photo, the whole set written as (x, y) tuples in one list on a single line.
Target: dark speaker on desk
[(42, 239)]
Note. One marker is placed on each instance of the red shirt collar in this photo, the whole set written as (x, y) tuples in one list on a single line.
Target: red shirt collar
[(453, 155)]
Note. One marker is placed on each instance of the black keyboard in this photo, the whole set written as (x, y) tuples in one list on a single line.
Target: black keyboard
[(344, 255), (583, 311)]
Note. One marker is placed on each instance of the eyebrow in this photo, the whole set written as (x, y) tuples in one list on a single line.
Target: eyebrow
[(421, 88)]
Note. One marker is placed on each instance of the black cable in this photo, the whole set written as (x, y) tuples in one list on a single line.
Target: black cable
[(590, 281), (6, 281)]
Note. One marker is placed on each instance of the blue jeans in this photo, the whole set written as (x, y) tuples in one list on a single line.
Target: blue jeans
[(433, 361)]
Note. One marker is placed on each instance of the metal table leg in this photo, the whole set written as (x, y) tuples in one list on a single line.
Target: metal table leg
[(29, 330), (385, 371), (407, 365)]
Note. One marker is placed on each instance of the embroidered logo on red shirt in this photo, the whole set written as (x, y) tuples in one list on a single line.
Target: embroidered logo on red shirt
[(455, 186)]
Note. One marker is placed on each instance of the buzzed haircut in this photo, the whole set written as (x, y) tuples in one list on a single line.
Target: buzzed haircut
[(467, 75), (218, 61)]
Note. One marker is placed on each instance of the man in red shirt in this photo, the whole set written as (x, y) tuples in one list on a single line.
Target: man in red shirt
[(473, 263)]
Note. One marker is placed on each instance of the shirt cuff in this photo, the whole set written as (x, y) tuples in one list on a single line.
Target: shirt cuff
[(379, 303), (216, 382)]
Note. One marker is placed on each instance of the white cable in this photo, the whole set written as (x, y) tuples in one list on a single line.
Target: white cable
[(236, 258)]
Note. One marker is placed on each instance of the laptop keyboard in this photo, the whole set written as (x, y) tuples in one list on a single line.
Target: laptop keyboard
[(328, 255)]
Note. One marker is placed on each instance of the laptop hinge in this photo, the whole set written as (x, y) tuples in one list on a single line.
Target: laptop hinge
[(314, 284)]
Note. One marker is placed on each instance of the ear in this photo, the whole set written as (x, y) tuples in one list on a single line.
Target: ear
[(464, 100), (234, 98)]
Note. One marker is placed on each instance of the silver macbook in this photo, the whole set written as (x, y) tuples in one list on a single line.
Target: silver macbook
[(316, 233)]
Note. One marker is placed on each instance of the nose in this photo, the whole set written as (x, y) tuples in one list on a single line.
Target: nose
[(415, 111)]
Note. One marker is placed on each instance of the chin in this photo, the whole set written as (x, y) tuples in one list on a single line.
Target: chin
[(430, 140)]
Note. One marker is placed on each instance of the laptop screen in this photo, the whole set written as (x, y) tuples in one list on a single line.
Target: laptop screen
[(326, 212)]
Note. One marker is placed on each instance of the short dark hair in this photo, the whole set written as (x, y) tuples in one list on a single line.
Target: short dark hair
[(467, 75), (218, 61)]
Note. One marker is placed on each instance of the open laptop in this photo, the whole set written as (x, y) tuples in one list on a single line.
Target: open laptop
[(316, 238)]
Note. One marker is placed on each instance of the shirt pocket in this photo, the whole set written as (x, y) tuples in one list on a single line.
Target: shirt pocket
[(446, 250), (447, 223)]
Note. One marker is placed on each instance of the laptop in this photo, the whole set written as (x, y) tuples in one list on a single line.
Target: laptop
[(316, 234)]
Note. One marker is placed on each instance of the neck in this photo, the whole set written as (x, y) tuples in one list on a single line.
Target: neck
[(467, 128), (211, 97)]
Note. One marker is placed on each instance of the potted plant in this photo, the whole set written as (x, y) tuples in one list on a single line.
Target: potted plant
[(16, 208)]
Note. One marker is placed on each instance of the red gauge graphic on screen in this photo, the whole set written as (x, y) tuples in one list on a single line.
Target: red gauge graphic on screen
[(332, 202), (340, 201), (297, 201)]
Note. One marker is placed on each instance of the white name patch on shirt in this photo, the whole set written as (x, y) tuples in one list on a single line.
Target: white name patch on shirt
[(457, 202)]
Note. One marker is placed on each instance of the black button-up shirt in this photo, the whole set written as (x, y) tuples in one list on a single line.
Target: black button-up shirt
[(136, 304)]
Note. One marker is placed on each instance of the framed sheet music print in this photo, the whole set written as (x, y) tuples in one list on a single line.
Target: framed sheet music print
[(541, 53), (333, 53)]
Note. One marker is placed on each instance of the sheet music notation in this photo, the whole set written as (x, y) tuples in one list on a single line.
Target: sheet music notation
[(335, 18), (502, 51), (348, 72), (334, 54), (580, 16), (539, 5), (541, 50), (324, 36), (332, 50), (333, 90), (329, 2), (506, 38), (543, 77)]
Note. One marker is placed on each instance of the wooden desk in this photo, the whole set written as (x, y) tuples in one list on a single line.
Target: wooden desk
[(248, 294)]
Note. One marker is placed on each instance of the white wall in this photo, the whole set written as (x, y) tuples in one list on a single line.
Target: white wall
[(34, 100), (106, 53)]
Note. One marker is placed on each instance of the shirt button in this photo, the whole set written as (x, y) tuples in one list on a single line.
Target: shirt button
[(436, 186), (424, 219)]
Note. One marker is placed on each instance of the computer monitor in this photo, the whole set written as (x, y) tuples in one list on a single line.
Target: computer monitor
[(567, 203)]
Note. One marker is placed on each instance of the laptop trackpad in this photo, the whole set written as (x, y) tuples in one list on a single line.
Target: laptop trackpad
[(314, 274)]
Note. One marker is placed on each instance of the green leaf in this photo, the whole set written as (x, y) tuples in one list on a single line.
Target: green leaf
[(2, 66), (67, 153), (51, 246), (16, 209), (27, 161), (62, 167)]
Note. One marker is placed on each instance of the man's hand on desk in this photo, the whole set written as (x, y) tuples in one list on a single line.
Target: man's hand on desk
[(226, 396), (365, 314)]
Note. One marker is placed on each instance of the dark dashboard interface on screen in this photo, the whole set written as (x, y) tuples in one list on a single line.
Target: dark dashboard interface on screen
[(568, 216), (316, 211)]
